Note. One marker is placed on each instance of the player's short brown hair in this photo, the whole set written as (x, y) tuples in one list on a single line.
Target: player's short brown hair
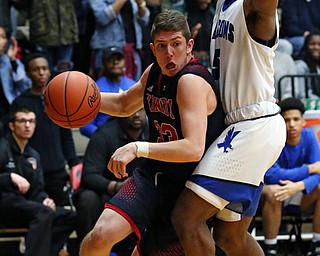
[(171, 20)]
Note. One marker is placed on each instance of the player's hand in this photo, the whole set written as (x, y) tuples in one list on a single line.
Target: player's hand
[(50, 203), (288, 189), (22, 184), (120, 158)]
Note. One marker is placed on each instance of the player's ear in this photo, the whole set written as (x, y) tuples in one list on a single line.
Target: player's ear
[(190, 45)]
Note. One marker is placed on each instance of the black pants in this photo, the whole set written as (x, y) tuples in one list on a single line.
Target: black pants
[(56, 186), (48, 230)]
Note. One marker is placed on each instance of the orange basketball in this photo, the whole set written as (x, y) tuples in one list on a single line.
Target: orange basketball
[(72, 99)]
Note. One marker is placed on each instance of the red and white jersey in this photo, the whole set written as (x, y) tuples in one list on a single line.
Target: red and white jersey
[(243, 66)]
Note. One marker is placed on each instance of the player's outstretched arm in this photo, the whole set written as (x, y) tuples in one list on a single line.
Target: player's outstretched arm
[(261, 18)]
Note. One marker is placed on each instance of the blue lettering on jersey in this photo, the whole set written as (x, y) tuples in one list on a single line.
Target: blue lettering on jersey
[(224, 29), (228, 139)]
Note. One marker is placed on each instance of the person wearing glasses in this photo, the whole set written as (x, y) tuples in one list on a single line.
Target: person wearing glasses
[(24, 202)]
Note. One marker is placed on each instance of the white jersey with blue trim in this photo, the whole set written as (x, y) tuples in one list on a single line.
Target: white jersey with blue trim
[(243, 66)]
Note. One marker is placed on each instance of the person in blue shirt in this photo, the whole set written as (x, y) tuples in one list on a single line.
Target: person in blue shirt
[(112, 80), (293, 179)]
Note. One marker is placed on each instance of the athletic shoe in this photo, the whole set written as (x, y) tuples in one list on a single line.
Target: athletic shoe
[(315, 249), (270, 250)]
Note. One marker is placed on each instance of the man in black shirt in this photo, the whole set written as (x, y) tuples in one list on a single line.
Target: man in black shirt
[(24, 202)]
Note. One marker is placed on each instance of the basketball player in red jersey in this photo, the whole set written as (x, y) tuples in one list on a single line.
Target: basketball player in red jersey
[(181, 101)]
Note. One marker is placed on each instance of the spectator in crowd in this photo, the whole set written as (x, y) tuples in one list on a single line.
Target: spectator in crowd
[(284, 64), (294, 177), (200, 16), (178, 5), (54, 27), (8, 179), (13, 78), (86, 24), (119, 22), (7, 12), (62, 66), (154, 7), (5, 15), (98, 184), (113, 80), (298, 19), (24, 202), (54, 143), (309, 63)]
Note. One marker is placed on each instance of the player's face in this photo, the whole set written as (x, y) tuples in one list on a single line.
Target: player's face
[(171, 51), (3, 41), (39, 72), (294, 124), (24, 125), (314, 47)]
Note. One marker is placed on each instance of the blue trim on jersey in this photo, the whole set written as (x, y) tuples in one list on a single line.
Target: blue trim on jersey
[(227, 4), (243, 198)]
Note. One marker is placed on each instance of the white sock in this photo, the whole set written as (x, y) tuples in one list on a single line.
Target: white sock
[(316, 237), (270, 241)]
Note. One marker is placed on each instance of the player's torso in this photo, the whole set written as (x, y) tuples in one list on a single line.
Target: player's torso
[(163, 111), (161, 107), (243, 67)]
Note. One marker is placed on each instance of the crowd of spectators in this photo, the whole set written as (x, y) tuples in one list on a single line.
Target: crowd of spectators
[(299, 20), (109, 40)]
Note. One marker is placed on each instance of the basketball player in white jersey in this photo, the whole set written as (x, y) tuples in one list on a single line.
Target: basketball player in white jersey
[(227, 183)]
